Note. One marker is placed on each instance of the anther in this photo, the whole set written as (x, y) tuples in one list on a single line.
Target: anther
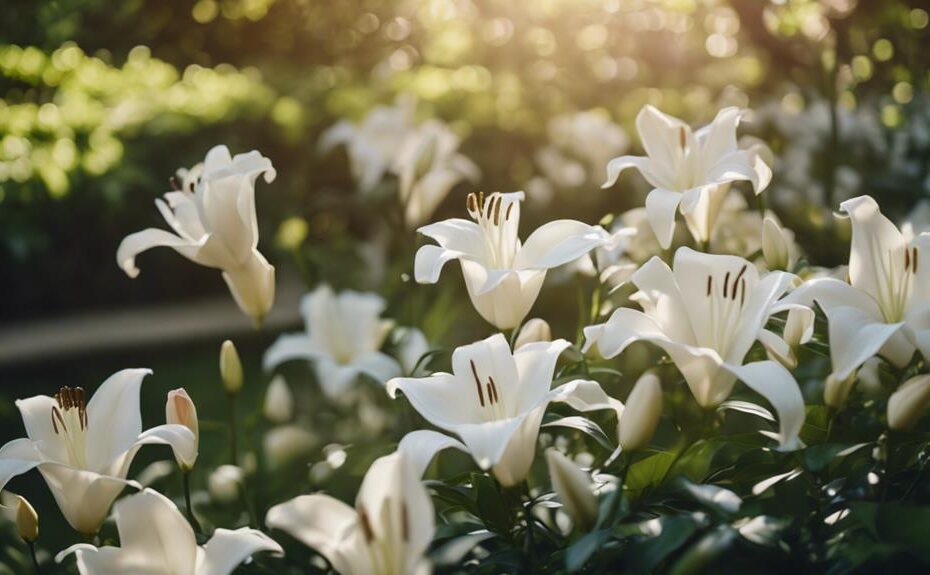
[(915, 259), (404, 523), (493, 387), (173, 181), (708, 286), (509, 209), (471, 204), (481, 203), (907, 259), (726, 283), (365, 525), (682, 138), (497, 211), (474, 372), (741, 272)]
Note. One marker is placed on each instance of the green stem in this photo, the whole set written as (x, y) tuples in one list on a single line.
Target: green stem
[(35, 559), (530, 536), (626, 459), (233, 433), (248, 504), (186, 479)]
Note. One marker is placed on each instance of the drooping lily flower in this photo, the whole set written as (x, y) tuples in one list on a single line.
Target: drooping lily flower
[(428, 166), (706, 315), (494, 400), (84, 449), (885, 307), (343, 336), (214, 223), (386, 533), (502, 275), (373, 143), (690, 171), (155, 538)]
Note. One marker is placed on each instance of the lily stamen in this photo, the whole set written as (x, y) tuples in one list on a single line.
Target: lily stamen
[(474, 372)]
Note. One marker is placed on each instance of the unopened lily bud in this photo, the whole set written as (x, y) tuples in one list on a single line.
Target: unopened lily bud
[(181, 410), (225, 482), (532, 331), (641, 413), (776, 245), (908, 403), (836, 391), (799, 326), (230, 367), (279, 403), (573, 486), (27, 520)]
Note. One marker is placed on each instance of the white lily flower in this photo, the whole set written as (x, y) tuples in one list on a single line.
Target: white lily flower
[(343, 336), (502, 275), (428, 166), (706, 315), (689, 171), (214, 223), (83, 450), (372, 144), (494, 400), (155, 538), (386, 533), (885, 309)]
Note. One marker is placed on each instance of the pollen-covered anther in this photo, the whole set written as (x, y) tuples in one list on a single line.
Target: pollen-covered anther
[(365, 524), (69, 399)]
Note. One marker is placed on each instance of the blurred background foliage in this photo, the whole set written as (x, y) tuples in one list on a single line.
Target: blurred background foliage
[(102, 102)]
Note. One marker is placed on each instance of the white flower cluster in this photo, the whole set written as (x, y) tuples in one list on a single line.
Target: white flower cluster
[(733, 310)]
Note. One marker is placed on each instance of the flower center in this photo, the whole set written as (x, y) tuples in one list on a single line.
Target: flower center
[(69, 420), (386, 551), (498, 218), (894, 294), (489, 398), (726, 298)]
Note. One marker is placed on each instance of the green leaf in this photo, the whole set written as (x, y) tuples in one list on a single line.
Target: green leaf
[(585, 426), (904, 526), (454, 550), (649, 472), (721, 500), (492, 508), (816, 422), (581, 550), (671, 532)]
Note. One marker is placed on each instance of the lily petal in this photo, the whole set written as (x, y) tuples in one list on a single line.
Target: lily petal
[(616, 166), (114, 418), (227, 549), (773, 382), (661, 207), (422, 445), (134, 244), (559, 242), (855, 336), (319, 522), (289, 347)]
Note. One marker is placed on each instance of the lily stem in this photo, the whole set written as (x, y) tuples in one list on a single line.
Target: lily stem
[(35, 559), (233, 434), (530, 536), (186, 479)]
